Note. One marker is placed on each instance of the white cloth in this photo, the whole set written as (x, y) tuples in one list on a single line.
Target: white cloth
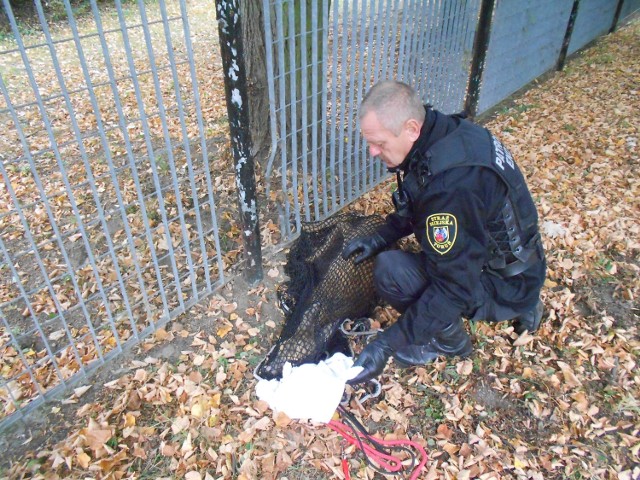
[(310, 391)]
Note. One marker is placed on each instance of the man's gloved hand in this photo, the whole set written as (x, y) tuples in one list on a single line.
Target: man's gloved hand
[(373, 358), (367, 246)]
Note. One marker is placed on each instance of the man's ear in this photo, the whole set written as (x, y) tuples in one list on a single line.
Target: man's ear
[(412, 128)]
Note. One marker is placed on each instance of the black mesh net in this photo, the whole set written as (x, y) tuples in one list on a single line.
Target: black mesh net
[(323, 290)]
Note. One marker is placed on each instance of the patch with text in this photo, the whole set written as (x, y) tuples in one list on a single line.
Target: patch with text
[(442, 229)]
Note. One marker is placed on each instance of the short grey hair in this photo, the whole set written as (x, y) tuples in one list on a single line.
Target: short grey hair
[(394, 103)]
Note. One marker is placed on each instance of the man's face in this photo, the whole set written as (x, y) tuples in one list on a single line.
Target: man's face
[(383, 143)]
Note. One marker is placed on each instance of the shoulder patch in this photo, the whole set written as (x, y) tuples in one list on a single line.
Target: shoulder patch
[(442, 229)]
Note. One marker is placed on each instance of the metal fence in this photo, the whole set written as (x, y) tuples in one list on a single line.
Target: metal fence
[(117, 199), (320, 70), (514, 59), (594, 19), (318, 76), (108, 223)]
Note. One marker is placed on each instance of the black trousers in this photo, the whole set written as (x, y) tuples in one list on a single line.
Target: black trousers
[(400, 279)]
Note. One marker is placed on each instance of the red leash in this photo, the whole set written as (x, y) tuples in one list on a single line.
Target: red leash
[(377, 450)]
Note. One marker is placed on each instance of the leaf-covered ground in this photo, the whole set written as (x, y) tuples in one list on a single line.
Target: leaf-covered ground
[(563, 403)]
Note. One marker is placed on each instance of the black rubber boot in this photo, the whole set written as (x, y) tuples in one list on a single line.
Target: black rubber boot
[(453, 341), (529, 321)]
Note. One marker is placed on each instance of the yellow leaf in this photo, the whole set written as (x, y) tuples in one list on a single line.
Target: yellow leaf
[(519, 463), (214, 400), (196, 410), (222, 331), (129, 420), (83, 459)]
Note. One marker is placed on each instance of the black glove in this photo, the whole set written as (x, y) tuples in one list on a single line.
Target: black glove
[(368, 246), (373, 358)]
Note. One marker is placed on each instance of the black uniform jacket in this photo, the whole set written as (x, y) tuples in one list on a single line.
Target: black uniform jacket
[(453, 215)]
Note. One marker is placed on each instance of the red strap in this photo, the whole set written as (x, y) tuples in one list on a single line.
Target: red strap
[(386, 461)]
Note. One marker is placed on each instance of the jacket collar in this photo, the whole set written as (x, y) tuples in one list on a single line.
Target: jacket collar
[(436, 126)]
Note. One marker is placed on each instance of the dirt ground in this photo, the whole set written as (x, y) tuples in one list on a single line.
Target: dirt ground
[(562, 403)]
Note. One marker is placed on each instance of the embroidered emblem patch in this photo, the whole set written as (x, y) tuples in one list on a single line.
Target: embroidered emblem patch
[(442, 229)]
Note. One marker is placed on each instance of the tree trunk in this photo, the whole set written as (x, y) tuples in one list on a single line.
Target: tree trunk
[(257, 87)]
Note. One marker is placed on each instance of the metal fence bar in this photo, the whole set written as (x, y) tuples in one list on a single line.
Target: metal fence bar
[(334, 111), (412, 47), (443, 50), (353, 55), (356, 140), (593, 20), (315, 124), (401, 58), (293, 110), (629, 8), (342, 171), (189, 162), (301, 46), (388, 39), (178, 96), (286, 214), (324, 123), (270, 66)]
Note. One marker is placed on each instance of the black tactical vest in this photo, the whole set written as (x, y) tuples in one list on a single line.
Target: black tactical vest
[(471, 145)]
